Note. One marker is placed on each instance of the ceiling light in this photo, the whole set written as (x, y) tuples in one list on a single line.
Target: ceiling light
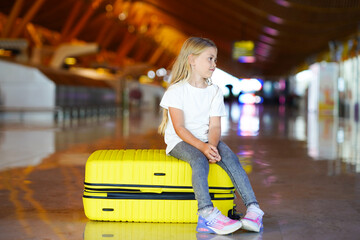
[(267, 39), (109, 8), (271, 31), (122, 16), (70, 61), (283, 3), (151, 74), (275, 19)]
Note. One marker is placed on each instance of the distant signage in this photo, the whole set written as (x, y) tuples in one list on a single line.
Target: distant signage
[(243, 51)]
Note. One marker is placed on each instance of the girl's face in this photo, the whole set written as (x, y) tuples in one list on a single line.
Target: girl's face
[(205, 63)]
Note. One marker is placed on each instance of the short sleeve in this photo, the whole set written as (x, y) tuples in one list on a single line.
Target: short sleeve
[(217, 105), (172, 98)]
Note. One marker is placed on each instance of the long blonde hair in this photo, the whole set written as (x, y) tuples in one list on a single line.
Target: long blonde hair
[(181, 69)]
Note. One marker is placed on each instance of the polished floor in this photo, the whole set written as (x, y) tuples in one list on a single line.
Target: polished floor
[(305, 171)]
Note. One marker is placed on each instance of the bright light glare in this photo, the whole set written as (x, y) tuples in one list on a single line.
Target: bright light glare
[(341, 84), (250, 98), (249, 126), (304, 75), (250, 85), (222, 79), (302, 81), (249, 123), (161, 72), (151, 74)]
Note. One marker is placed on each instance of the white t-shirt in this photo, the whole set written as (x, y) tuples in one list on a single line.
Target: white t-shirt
[(197, 104)]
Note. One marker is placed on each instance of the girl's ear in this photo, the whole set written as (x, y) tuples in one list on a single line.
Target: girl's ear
[(191, 59)]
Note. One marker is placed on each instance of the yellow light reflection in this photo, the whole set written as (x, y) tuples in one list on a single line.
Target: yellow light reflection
[(70, 61), (5, 53)]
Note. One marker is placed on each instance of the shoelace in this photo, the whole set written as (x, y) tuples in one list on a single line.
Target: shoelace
[(214, 216)]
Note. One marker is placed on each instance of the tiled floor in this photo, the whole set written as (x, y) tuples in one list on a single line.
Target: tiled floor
[(305, 171)]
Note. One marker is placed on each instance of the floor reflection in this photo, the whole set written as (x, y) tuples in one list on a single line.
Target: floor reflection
[(327, 137), (300, 167), (135, 231), (20, 148), (334, 139), (245, 116)]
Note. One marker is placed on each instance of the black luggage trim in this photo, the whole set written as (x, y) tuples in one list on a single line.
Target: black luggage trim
[(155, 196), (149, 186)]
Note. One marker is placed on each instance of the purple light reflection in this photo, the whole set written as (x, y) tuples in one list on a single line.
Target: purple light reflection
[(266, 39), (249, 123), (263, 46), (275, 19), (283, 3), (271, 31), (262, 52), (246, 59)]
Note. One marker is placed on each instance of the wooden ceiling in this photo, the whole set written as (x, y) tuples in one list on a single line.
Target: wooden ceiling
[(285, 33)]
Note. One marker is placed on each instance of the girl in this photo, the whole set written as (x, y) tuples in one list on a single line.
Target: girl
[(193, 107)]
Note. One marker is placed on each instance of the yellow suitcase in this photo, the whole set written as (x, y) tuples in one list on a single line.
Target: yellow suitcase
[(139, 185)]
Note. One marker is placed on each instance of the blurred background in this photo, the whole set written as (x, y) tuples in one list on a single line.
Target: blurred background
[(71, 60), (85, 53), (82, 75)]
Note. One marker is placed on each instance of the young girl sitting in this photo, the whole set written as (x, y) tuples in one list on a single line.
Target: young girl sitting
[(193, 107)]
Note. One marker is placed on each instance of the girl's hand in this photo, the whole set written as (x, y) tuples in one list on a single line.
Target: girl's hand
[(211, 152)]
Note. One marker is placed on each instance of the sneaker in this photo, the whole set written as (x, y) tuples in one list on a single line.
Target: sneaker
[(253, 219), (217, 223)]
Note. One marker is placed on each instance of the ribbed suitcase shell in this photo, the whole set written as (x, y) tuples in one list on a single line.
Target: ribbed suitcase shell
[(136, 172)]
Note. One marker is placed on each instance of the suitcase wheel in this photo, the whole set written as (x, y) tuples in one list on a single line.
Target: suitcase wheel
[(233, 214)]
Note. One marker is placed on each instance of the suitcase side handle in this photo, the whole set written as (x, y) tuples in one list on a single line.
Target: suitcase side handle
[(159, 174)]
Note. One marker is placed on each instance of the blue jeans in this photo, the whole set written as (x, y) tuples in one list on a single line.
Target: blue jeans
[(200, 171)]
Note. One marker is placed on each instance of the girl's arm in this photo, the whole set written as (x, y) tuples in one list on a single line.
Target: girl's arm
[(210, 151), (215, 134), (214, 130)]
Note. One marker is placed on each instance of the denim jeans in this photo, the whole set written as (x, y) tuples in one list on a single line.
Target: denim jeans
[(200, 171)]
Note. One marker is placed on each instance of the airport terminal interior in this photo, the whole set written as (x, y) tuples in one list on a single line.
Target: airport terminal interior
[(87, 75)]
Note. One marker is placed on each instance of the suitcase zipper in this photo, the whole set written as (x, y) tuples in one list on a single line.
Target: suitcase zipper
[(156, 196)]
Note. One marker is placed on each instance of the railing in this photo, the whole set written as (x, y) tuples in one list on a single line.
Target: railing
[(65, 113), (82, 112)]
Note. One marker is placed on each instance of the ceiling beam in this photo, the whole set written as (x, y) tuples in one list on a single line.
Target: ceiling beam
[(75, 11), (12, 18), (27, 18)]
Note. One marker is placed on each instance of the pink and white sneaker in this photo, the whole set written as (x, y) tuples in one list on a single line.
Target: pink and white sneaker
[(253, 219), (217, 223)]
